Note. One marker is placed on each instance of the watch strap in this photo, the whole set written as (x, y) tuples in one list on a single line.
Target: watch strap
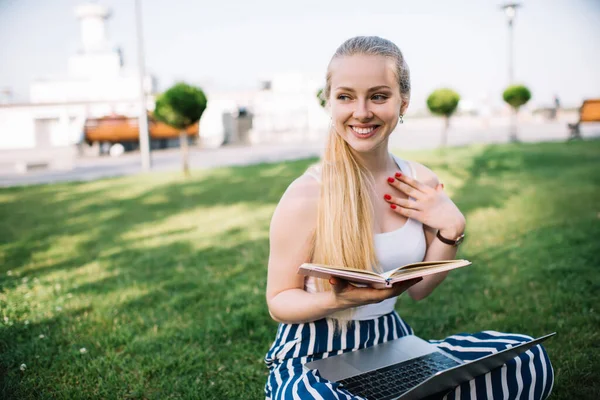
[(449, 241)]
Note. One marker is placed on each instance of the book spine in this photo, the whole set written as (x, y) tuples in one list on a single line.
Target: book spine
[(388, 283)]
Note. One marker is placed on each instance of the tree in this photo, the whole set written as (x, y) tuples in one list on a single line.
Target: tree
[(322, 101), (443, 102), (181, 106), (515, 96)]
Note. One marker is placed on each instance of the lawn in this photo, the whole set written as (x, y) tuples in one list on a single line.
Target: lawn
[(152, 286)]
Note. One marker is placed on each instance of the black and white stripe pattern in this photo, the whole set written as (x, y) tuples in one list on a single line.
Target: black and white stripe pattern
[(529, 376)]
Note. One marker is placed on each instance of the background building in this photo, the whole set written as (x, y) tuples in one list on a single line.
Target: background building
[(97, 84)]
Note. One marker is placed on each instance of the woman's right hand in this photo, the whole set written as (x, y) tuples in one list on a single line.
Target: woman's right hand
[(348, 295)]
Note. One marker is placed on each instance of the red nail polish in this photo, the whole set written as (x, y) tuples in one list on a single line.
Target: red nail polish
[(387, 197), (398, 174), (391, 180), (393, 206)]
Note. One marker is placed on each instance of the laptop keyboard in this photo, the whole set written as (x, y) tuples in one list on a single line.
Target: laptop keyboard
[(392, 381)]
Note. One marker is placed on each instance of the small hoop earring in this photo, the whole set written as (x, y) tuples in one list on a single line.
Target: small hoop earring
[(401, 120)]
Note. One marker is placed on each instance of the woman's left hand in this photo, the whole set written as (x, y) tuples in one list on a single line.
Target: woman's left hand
[(430, 206)]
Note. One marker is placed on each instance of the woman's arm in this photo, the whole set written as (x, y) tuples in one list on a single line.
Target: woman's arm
[(292, 226), (436, 249), (291, 231)]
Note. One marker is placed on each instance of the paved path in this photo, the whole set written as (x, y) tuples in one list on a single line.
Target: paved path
[(413, 134), (90, 168)]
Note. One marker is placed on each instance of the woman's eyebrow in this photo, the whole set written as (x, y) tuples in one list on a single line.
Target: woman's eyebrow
[(347, 89)]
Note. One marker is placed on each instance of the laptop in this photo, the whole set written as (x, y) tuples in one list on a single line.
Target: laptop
[(409, 368)]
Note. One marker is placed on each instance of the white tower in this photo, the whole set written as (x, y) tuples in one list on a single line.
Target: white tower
[(95, 72), (96, 58), (92, 19)]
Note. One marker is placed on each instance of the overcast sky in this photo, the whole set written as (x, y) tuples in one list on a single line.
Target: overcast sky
[(234, 44)]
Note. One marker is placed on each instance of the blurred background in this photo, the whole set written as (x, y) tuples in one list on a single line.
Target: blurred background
[(121, 277), (72, 74)]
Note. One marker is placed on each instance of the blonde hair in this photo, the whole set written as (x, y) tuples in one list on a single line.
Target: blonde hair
[(344, 232)]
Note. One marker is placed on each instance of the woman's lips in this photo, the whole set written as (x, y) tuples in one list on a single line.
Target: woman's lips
[(364, 133)]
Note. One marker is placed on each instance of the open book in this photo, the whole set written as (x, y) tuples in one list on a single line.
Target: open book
[(385, 279)]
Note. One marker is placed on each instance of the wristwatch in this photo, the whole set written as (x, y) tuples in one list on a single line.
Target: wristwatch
[(451, 242)]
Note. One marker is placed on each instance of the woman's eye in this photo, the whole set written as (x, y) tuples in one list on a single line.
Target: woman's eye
[(377, 97)]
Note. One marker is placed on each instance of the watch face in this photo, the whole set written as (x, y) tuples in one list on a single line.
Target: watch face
[(459, 240)]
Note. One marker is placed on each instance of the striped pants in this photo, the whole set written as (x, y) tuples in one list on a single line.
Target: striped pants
[(528, 376)]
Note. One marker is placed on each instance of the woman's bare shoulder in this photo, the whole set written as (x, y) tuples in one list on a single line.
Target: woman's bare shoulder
[(299, 203), (304, 188), (425, 175)]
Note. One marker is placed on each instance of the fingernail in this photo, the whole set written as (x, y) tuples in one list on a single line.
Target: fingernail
[(398, 174), (393, 206), (387, 197), (391, 180)]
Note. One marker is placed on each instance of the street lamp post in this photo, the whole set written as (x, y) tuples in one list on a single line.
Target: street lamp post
[(143, 118), (510, 9)]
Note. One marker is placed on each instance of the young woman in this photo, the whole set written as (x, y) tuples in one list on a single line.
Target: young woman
[(366, 208)]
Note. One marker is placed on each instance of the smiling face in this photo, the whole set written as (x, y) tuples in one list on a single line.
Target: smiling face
[(365, 100)]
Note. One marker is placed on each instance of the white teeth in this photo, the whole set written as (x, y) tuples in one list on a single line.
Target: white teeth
[(363, 131)]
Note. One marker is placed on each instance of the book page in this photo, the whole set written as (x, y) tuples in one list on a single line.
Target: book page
[(334, 268), (416, 267), (416, 270), (427, 263)]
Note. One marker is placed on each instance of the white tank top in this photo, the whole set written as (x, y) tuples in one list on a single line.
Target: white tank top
[(393, 249)]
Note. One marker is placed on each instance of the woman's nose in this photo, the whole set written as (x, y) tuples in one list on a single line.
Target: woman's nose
[(362, 110)]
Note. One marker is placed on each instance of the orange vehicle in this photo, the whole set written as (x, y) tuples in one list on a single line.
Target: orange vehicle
[(123, 130)]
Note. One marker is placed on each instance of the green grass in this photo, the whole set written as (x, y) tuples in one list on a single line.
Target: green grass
[(162, 280)]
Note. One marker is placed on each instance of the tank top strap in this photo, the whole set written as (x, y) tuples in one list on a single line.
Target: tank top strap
[(405, 166)]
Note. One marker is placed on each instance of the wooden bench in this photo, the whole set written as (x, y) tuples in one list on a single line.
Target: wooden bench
[(589, 112)]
